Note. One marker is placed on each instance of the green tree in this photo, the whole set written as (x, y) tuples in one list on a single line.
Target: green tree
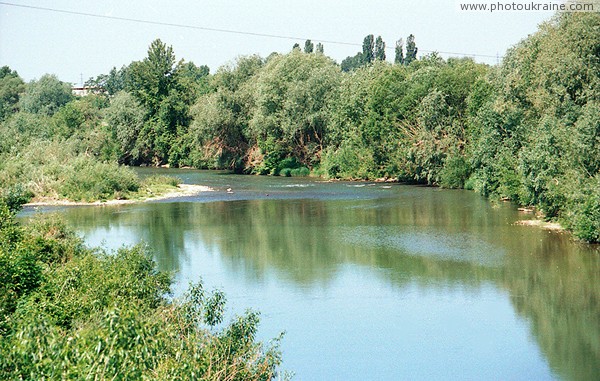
[(368, 49), (535, 124), (291, 115), (379, 49), (399, 57), (68, 312), (11, 87), (411, 50), (352, 62), (152, 79), (46, 95), (125, 118), (217, 135), (308, 46), (165, 89), (320, 49), (110, 83)]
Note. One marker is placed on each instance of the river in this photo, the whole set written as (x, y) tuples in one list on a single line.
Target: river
[(375, 281)]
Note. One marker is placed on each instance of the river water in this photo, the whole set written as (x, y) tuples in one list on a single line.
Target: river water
[(376, 281)]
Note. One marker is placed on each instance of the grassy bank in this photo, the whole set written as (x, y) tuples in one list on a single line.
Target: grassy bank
[(52, 171)]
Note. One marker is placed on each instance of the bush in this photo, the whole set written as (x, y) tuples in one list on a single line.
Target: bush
[(455, 172), (67, 312), (582, 213), (89, 180), (586, 220), (300, 172), (161, 180), (15, 196), (350, 162)]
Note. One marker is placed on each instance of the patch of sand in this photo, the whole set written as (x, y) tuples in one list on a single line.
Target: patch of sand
[(182, 191), (542, 224)]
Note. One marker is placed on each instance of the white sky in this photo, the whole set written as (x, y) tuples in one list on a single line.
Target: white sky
[(35, 42)]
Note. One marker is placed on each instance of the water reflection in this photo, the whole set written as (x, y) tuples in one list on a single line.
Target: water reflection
[(410, 237)]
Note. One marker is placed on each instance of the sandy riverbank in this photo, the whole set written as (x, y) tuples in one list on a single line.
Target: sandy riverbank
[(555, 226), (182, 190)]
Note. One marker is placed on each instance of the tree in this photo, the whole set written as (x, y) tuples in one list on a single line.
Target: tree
[(216, 135), (379, 49), (411, 50), (308, 46), (320, 48), (194, 77), (11, 86), (352, 62), (125, 117), (368, 49), (110, 83), (290, 118), (296, 46), (46, 95), (151, 80), (162, 86), (399, 59)]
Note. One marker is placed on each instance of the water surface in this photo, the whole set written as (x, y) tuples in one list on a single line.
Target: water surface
[(376, 281)]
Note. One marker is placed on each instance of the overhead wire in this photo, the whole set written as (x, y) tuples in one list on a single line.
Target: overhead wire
[(219, 30)]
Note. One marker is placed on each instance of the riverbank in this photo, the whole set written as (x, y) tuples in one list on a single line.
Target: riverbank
[(554, 226), (182, 190)]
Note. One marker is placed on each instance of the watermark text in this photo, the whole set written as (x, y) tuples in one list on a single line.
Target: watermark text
[(529, 6)]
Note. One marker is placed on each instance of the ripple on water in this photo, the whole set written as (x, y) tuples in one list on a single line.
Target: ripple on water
[(427, 242)]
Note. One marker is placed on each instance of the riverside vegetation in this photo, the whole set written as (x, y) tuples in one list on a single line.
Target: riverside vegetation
[(69, 312), (526, 130)]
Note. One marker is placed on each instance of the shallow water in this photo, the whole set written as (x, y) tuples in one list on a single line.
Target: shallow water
[(376, 281)]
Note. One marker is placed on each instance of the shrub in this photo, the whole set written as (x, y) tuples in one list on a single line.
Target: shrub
[(89, 180), (94, 314), (300, 172), (455, 172)]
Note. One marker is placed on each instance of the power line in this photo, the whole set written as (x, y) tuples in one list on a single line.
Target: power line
[(219, 30)]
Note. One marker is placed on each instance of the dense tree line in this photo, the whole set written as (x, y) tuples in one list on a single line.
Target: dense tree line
[(526, 130)]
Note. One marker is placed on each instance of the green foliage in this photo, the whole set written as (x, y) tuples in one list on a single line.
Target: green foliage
[(399, 53), (54, 169), (110, 83), (14, 197), (525, 130), (372, 49), (411, 50), (308, 46), (217, 136), (352, 62), (368, 49), (46, 95), (290, 117), (88, 180), (11, 88), (379, 49), (125, 118), (320, 49), (350, 161), (535, 126), (583, 216), (166, 90), (75, 313), (161, 180)]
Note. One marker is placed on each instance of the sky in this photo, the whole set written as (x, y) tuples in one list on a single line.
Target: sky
[(35, 42)]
